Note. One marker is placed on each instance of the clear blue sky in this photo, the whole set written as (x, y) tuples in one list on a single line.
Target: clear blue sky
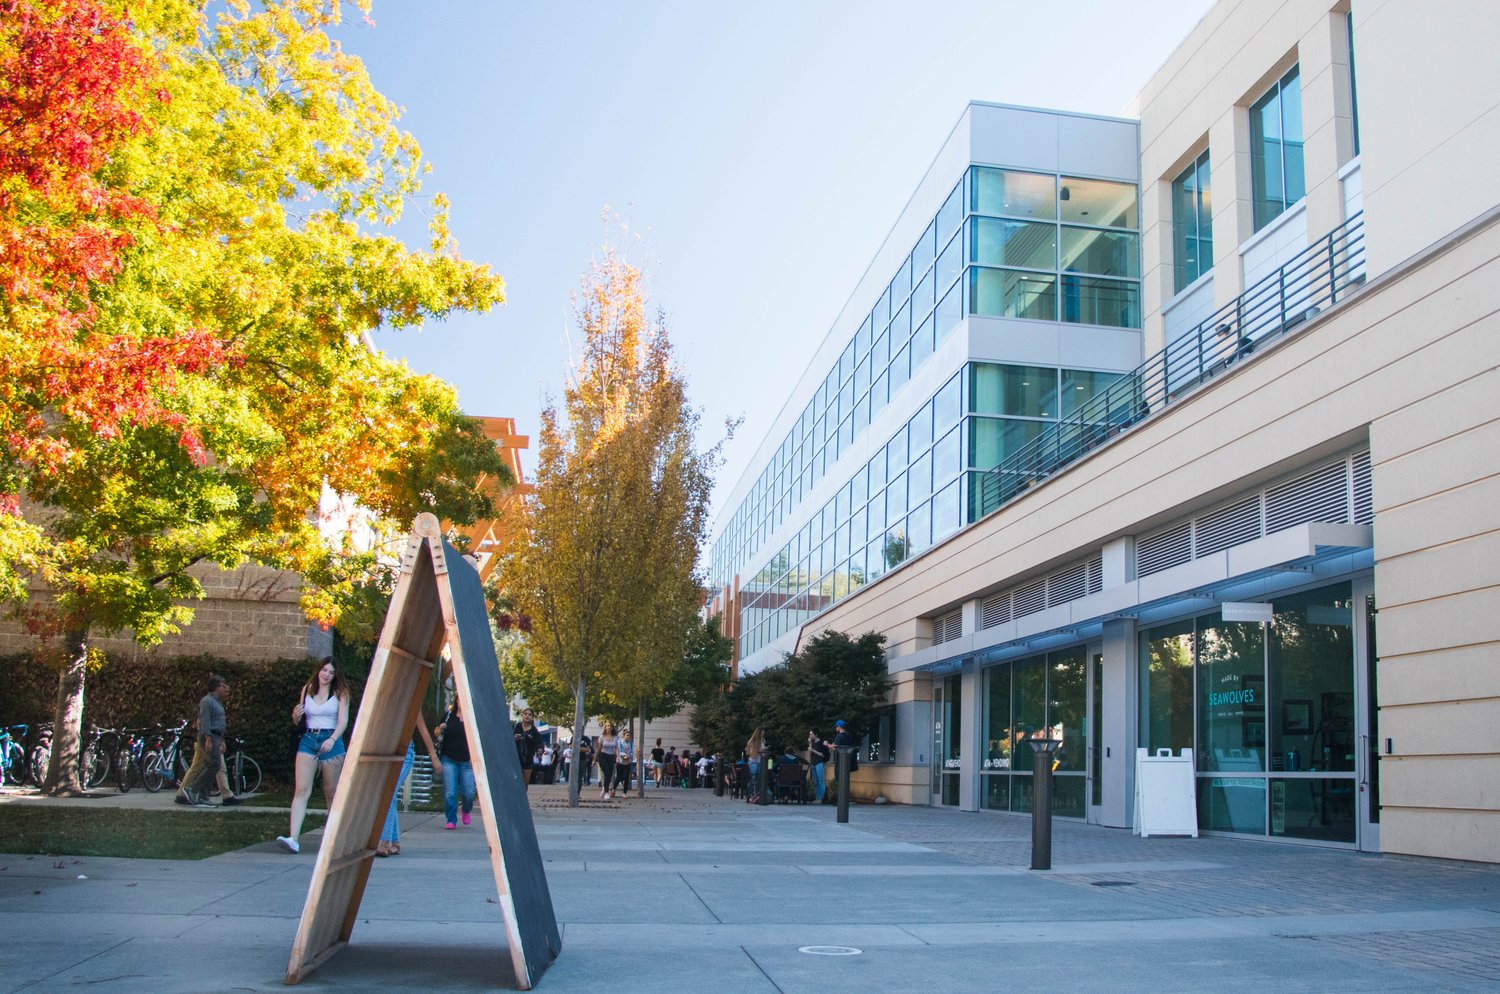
[(760, 152)]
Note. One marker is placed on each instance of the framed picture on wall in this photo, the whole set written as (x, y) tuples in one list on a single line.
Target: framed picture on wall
[(1296, 717)]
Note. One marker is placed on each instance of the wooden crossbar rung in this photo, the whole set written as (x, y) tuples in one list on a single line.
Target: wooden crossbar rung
[(353, 859), (369, 758), (400, 653)]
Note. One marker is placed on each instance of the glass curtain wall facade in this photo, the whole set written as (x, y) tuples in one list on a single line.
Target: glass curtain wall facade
[(1071, 246), (1036, 697), (1268, 710)]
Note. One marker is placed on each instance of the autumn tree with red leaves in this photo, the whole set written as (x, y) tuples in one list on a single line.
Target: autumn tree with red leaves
[(188, 273)]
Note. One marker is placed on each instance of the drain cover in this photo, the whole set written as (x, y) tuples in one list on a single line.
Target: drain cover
[(830, 950), (1114, 883)]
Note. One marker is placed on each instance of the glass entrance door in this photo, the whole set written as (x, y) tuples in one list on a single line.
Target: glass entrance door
[(947, 739), (1368, 711), (1095, 790)]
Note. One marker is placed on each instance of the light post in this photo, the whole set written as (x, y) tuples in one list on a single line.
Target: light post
[(1041, 802)]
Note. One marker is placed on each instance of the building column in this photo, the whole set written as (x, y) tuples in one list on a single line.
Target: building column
[(972, 746), (1121, 724)]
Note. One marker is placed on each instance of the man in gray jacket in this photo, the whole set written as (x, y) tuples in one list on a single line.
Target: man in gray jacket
[(210, 746)]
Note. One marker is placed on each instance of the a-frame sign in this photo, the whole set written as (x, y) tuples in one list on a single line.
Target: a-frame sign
[(438, 600)]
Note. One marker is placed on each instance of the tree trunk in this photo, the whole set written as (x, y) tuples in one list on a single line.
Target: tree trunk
[(67, 721), (575, 780), (640, 755)]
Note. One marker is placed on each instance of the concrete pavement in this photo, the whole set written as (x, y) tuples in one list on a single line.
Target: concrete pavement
[(682, 891)]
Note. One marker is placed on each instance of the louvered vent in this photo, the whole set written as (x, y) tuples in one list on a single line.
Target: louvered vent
[(1319, 496), (994, 610), (1231, 525), (1364, 490), (1031, 598), (948, 627), (1096, 574), (1164, 550), (1067, 585)]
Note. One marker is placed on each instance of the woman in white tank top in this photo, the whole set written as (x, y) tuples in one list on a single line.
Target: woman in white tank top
[(324, 705)]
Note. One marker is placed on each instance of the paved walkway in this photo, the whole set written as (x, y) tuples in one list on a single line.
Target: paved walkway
[(682, 891)]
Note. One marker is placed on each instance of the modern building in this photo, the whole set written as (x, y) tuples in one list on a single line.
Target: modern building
[(1198, 447)]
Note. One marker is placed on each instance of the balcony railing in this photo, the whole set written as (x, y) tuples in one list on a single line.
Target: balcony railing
[(1317, 277)]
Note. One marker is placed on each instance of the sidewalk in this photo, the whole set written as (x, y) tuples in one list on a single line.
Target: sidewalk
[(683, 891)]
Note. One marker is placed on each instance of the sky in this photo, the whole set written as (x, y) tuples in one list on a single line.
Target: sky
[(752, 157)]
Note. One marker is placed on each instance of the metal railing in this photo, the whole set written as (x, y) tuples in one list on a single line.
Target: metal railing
[(1317, 277)]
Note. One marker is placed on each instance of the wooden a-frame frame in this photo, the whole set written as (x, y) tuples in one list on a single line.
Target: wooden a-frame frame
[(438, 599)]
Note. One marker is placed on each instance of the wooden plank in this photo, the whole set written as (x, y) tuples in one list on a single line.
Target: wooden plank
[(314, 963), (410, 657), (389, 758), (353, 859)]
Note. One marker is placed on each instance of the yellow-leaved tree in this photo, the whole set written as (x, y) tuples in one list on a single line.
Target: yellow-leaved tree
[(607, 574)]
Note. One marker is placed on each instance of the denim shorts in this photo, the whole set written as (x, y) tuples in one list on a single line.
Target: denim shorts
[(313, 740)]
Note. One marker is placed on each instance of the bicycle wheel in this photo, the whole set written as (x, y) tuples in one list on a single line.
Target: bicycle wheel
[(14, 767), (93, 769), (153, 777), (41, 757), (244, 774), (125, 772)]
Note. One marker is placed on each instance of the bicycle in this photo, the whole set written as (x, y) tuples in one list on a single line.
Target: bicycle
[(131, 763), (167, 763), (13, 767), (96, 755), (244, 772)]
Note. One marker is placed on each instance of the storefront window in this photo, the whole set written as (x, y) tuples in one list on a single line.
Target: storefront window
[(1232, 692), (1167, 688), (1312, 643)]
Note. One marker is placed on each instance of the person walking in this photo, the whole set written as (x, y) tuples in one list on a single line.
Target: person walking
[(458, 771), (390, 835), (606, 747), (625, 760), (208, 754), (528, 741), (817, 760), (324, 702), (753, 750), (658, 760)]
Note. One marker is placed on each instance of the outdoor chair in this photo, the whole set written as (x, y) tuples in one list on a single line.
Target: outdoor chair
[(790, 783)]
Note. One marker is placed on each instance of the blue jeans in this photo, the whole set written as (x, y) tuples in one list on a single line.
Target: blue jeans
[(819, 781), (392, 830), (452, 770)]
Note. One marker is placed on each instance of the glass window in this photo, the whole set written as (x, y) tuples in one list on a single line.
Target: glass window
[(1079, 386), (1232, 688), (1094, 300), (919, 479), (862, 377), (862, 339), (947, 405), (1192, 224), (1232, 804), (921, 297), (921, 255), (901, 325), (896, 548), (992, 440), (880, 353), (875, 558), (1014, 194), (1167, 687), (1108, 253), (895, 499), (950, 263), (1353, 89), (919, 429), (1022, 391), (900, 369), (947, 509), (901, 285), (945, 458), (1013, 243), (1312, 673), (895, 453), (919, 527), (951, 215), (846, 362), (949, 313), (877, 471), (1013, 294), (878, 394), (921, 343), (1276, 175), (1066, 673), (1097, 201)]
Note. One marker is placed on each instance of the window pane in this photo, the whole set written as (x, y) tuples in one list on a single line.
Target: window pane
[(946, 405), (1024, 391), (1307, 808), (895, 453), (1097, 201), (919, 430), (1093, 300), (1312, 674), (991, 440), (921, 343), (1065, 713), (1078, 386), (919, 527), (921, 255), (1000, 742), (900, 369), (1011, 294), (1167, 687), (1108, 253), (1013, 243), (1232, 804), (1232, 682), (921, 297), (947, 509), (945, 458), (1192, 224), (895, 499), (952, 213), (919, 479), (949, 313), (950, 263), (1014, 194)]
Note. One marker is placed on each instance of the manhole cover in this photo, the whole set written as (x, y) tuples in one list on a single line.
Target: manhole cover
[(830, 950), (1114, 883)]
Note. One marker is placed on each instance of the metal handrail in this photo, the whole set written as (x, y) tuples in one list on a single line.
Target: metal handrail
[(1317, 277)]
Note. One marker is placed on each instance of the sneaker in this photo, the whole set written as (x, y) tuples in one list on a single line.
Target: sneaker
[(450, 826), (466, 817), (182, 799), (231, 801), (288, 843)]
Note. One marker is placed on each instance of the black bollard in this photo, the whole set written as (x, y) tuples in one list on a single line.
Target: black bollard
[(718, 774), (843, 777), (1041, 803)]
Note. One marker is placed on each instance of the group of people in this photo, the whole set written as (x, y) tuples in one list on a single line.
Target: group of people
[(818, 753)]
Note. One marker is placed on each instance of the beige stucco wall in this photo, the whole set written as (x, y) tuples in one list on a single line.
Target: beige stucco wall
[(1408, 363), (1201, 98), (246, 614)]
